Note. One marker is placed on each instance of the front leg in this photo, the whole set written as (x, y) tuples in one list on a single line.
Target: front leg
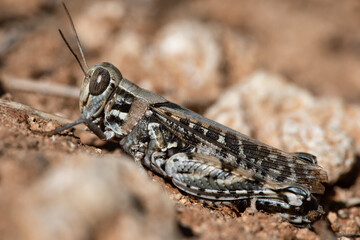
[(156, 154), (105, 136)]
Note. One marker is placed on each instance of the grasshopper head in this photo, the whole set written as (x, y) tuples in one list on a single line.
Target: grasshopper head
[(99, 84)]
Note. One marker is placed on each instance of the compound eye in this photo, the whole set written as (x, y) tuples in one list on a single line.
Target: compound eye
[(99, 81)]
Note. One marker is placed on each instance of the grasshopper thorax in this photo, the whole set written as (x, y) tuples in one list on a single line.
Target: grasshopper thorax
[(99, 84)]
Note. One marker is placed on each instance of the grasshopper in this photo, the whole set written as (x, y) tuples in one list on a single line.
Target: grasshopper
[(199, 156)]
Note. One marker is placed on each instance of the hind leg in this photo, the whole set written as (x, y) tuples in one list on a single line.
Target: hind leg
[(203, 176)]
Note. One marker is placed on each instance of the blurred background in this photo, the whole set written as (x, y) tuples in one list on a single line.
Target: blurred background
[(192, 52)]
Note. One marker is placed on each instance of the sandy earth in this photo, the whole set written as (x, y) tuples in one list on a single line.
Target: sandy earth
[(191, 52)]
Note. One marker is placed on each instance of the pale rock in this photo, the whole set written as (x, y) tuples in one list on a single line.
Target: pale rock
[(97, 22), (181, 62), (285, 116), (186, 58)]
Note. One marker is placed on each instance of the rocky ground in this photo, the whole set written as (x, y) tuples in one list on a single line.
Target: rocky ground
[(284, 72)]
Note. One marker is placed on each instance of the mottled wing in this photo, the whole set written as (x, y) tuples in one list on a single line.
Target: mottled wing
[(239, 152)]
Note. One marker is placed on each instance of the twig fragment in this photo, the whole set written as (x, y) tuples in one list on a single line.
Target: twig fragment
[(28, 85)]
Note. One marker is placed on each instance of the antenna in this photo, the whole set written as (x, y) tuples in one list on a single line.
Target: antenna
[(76, 35), (72, 51), (81, 120)]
